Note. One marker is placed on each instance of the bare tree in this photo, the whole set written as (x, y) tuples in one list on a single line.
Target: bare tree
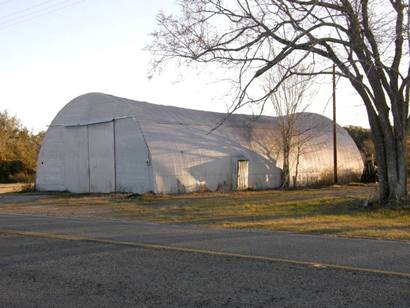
[(367, 40), (288, 101), (302, 144)]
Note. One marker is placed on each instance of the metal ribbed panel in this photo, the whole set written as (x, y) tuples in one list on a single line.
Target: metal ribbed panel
[(184, 155)]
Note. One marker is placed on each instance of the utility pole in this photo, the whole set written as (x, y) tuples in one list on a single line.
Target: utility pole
[(334, 128)]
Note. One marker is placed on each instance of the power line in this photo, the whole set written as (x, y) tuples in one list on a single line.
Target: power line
[(6, 20), (34, 15), (25, 10), (5, 2)]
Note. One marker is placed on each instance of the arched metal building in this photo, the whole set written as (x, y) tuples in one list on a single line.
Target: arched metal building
[(103, 143)]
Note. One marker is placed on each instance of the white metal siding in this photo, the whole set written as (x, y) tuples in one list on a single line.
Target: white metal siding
[(101, 157), (75, 155), (131, 158), (50, 165)]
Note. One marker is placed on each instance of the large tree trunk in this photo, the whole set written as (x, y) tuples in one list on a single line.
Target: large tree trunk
[(390, 144), (398, 187), (391, 153)]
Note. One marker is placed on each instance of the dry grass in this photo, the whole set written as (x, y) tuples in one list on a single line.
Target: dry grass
[(332, 210), (14, 187)]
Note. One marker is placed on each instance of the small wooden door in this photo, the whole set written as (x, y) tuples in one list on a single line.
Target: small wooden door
[(242, 175)]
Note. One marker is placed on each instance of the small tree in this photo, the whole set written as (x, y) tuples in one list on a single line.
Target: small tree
[(288, 101), (302, 145)]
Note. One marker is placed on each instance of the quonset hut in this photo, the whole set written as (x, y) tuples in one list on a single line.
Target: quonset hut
[(103, 143)]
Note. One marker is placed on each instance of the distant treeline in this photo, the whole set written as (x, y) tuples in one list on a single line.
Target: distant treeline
[(19, 148), (363, 139)]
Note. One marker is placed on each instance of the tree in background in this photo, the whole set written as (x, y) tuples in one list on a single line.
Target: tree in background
[(18, 150), (364, 141), (367, 40)]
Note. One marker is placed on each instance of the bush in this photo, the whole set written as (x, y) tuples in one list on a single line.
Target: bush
[(18, 150), (15, 171)]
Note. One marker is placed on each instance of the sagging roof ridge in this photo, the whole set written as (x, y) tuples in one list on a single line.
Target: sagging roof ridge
[(230, 121)]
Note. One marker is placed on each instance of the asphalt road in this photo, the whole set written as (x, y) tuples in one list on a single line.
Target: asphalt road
[(109, 263)]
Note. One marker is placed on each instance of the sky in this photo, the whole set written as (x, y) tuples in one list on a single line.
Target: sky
[(55, 50)]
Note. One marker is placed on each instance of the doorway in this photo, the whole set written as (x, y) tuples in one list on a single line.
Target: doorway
[(101, 157), (242, 175)]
